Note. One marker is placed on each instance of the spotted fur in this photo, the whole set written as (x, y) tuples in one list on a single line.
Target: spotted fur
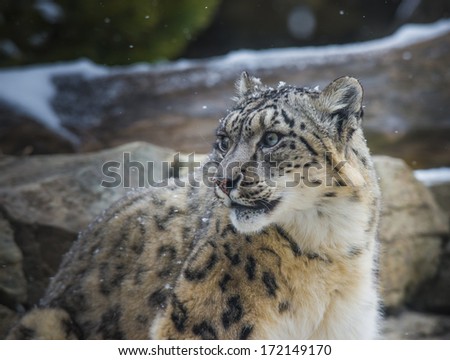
[(282, 247)]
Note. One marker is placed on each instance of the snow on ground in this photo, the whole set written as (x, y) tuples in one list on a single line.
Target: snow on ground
[(30, 89), (432, 177), (260, 59)]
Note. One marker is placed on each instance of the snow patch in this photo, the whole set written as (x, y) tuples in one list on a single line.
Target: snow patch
[(30, 89), (300, 57), (431, 177)]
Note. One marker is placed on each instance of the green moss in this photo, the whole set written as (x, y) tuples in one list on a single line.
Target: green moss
[(109, 32)]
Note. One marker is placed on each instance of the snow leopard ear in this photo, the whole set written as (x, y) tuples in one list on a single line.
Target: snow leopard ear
[(246, 85), (343, 97), (341, 101)]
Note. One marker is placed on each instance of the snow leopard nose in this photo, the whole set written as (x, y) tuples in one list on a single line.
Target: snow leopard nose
[(227, 184)]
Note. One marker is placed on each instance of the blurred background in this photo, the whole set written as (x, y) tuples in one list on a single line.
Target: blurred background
[(87, 106), (123, 32)]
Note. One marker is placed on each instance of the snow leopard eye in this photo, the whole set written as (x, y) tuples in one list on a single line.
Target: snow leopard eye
[(271, 139), (224, 144)]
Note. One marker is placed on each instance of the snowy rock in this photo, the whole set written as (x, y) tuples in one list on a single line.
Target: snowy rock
[(178, 104), (13, 287), (412, 232), (433, 177)]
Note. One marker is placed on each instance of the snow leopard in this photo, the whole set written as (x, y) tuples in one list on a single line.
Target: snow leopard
[(278, 242)]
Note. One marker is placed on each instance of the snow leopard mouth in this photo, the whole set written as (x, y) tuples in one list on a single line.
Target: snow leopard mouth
[(259, 207)]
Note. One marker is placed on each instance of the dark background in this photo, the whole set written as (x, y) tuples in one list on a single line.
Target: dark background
[(124, 32)]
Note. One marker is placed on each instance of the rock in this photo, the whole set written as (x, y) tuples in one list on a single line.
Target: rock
[(7, 318), (411, 325), (441, 193), (430, 296), (13, 287), (433, 295), (21, 134), (412, 231), (49, 190), (49, 199)]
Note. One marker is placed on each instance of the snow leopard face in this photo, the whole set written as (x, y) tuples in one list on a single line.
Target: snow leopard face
[(283, 150)]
